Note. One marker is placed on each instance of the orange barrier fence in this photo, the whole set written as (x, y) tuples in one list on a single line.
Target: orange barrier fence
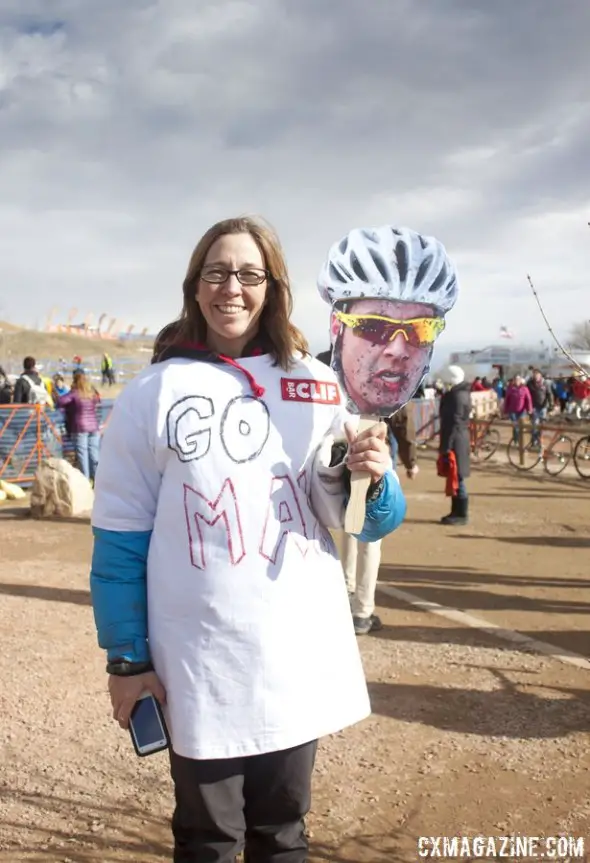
[(31, 433), (27, 436)]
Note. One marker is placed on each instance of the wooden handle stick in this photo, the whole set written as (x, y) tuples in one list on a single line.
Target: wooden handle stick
[(354, 518)]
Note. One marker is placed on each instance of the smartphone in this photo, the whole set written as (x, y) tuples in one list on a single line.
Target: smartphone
[(147, 726)]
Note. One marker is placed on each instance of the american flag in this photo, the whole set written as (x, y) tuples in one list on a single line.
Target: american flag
[(505, 333)]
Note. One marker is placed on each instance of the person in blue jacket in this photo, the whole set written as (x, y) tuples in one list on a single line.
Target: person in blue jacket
[(216, 584)]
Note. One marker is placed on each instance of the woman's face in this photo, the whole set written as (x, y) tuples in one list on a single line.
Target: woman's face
[(231, 309)]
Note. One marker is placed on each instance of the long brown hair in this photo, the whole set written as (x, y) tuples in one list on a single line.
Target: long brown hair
[(82, 386), (277, 334)]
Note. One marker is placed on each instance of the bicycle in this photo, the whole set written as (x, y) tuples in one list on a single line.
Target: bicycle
[(582, 457), (550, 446), (484, 439)]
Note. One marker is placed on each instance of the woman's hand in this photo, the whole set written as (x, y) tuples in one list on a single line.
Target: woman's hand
[(125, 691), (369, 451)]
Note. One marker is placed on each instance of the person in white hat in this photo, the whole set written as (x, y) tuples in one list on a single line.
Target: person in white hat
[(455, 410)]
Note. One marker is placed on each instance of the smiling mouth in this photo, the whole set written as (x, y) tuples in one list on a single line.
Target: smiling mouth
[(230, 309)]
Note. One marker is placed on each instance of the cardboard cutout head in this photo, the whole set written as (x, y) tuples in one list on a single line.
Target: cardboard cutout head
[(390, 289)]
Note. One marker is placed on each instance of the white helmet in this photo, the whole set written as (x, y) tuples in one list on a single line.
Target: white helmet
[(389, 263)]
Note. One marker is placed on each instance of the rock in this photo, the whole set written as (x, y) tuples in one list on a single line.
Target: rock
[(11, 491), (60, 490)]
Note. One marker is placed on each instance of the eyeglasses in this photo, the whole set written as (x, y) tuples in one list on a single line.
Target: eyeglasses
[(418, 332), (245, 275)]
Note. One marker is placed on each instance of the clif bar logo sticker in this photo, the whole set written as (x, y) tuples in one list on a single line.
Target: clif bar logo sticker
[(318, 392)]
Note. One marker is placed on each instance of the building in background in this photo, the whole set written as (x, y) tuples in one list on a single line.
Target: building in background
[(494, 359)]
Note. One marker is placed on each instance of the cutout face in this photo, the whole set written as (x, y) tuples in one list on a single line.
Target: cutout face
[(382, 350), (390, 289)]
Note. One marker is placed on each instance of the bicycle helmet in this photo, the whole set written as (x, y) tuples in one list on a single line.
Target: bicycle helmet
[(389, 263)]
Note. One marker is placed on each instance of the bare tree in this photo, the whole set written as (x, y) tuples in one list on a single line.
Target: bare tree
[(579, 337)]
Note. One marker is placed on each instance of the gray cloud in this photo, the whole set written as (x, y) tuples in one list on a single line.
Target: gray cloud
[(126, 129)]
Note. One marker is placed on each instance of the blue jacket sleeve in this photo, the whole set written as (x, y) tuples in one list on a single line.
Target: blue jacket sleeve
[(386, 513), (119, 592)]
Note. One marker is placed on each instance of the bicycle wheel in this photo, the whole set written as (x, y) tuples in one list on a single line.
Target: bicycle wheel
[(582, 457), (532, 455), (558, 455), (486, 444)]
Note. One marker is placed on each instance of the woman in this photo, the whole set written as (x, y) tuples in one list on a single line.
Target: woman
[(82, 422), (518, 403), (219, 477), (455, 410)]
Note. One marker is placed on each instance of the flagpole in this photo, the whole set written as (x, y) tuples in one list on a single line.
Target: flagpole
[(549, 327)]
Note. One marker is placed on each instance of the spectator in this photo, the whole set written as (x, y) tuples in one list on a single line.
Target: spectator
[(59, 387), (107, 370), (48, 384), (82, 422), (402, 439), (29, 388), (517, 403), (499, 388), (361, 560), (5, 388), (477, 385), (561, 393), (542, 402), (580, 388), (455, 410)]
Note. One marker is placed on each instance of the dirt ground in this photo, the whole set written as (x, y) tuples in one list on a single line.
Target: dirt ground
[(471, 734)]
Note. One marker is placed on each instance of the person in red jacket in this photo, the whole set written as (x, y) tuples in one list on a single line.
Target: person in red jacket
[(581, 388)]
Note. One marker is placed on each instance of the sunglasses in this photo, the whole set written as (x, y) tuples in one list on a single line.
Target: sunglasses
[(418, 332)]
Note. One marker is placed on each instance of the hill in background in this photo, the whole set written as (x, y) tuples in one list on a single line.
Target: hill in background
[(16, 343)]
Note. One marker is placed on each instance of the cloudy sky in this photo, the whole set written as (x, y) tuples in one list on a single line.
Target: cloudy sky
[(127, 128)]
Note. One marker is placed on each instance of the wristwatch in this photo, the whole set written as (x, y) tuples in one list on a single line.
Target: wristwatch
[(123, 668)]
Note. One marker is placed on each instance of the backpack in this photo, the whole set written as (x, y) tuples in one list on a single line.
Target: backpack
[(38, 394)]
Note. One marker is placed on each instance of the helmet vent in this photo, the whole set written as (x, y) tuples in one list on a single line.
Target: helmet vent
[(401, 254)]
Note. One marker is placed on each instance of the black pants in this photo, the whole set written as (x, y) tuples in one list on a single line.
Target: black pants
[(256, 804)]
